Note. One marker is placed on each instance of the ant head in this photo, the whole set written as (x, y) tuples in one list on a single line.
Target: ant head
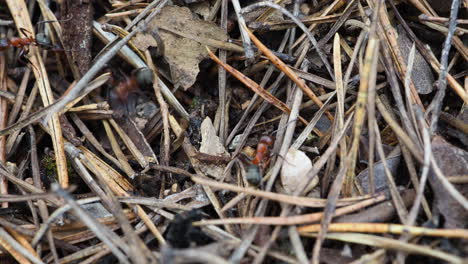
[(268, 140)]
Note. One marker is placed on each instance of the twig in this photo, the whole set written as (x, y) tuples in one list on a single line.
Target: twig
[(295, 219), (249, 53), (9, 242), (388, 228), (164, 111), (436, 104), (102, 232)]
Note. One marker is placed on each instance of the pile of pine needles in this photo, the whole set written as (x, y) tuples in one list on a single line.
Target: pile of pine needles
[(173, 163)]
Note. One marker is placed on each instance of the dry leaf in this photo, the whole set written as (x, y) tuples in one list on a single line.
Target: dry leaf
[(380, 179), (182, 54), (421, 74), (201, 8), (452, 161), (296, 165)]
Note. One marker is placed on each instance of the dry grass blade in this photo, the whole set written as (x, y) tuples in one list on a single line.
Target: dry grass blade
[(23, 21), (389, 243), (368, 78), (296, 219), (288, 199), (388, 33), (3, 120), (113, 242), (299, 24), (164, 110), (338, 183), (117, 150), (130, 145)]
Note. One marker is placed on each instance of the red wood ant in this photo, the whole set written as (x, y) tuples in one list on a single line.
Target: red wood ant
[(41, 39), (16, 42), (22, 43), (123, 96), (260, 160)]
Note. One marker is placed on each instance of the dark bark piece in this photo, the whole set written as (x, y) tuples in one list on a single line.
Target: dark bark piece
[(77, 33)]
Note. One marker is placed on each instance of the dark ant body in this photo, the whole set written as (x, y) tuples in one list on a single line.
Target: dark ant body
[(122, 97), (124, 94), (260, 161)]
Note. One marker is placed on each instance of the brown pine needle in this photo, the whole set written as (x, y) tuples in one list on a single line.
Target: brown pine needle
[(254, 86), (288, 71)]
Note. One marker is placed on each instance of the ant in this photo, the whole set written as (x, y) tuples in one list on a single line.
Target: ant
[(260, 160), (40, 40), (124, 95), (17, 42)]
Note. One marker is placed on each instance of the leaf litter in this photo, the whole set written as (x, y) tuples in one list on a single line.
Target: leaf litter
[(219, 132), (182, 54)]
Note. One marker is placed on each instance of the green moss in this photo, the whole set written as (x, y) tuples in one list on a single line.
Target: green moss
[(196, 101), (49, 165)]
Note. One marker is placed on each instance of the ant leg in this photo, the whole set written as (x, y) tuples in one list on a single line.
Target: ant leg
[(25, 32), (22, 56), (245, 158)]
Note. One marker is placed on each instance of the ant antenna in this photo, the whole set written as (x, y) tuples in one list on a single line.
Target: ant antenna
[(52, 21), (40, 24)]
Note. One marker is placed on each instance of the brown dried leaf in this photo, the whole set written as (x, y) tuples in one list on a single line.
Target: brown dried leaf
[(182, 54)]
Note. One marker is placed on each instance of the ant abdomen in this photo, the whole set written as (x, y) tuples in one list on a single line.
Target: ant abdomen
[(254, 175)]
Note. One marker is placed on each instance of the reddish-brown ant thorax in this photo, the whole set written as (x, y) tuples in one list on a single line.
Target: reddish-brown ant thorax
[(22, 42), (123, 96), (125, 88), (263, 150)]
